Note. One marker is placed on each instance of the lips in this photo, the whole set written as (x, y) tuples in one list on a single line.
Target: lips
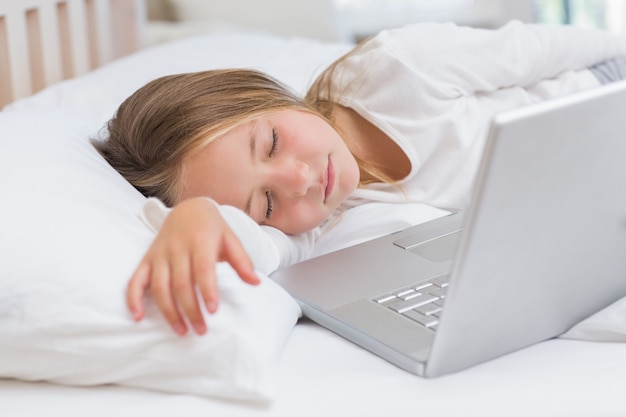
[(330, 179)]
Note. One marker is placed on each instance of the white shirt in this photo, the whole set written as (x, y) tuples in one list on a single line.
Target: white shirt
[(433, 88)]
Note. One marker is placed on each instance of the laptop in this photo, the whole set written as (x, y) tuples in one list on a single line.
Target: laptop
[(541, 247)]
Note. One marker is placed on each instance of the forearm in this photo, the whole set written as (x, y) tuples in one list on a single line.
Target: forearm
[(267, 247), (564, 48), (259, 246), (454, 61)]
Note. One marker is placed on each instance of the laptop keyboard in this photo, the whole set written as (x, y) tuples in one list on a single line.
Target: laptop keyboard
[(421, 302)]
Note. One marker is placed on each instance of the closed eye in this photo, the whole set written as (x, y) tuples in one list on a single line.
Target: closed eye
[(274, 142), (270, 204)]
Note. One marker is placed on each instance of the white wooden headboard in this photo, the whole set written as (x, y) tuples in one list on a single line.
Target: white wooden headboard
[(45, 41)]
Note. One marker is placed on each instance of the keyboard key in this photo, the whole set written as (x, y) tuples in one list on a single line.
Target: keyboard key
[(415, 302), (441, 282), (439, 293), (384, 298), (428, 309), (403, 294), (408, 296), (422, 286), (427, 321)]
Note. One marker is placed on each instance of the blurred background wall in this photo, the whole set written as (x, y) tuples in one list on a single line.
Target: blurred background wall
[(349, 20)]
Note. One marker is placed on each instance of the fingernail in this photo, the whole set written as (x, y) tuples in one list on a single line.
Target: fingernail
[(211, 306), (179, 329), (200, 328)]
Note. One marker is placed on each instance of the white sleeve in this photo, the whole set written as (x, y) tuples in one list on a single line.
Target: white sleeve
[(456, 61), (293, 248), (267, 248)]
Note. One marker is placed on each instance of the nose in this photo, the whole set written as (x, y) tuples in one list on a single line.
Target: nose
[(295, 178)]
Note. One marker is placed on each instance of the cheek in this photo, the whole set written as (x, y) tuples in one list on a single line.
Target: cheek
[(300, 218), (350, 175)]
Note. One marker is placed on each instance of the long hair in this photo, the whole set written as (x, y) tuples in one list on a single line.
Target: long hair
[(321, 96), (158, 127)]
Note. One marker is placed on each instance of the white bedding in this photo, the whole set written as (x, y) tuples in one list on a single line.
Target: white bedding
[(319, 373)]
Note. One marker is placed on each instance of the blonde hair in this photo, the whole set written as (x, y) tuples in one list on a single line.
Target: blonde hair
[(321, 96), (158, 127)]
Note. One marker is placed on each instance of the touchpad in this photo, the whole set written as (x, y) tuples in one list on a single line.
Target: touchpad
[(439, 249)]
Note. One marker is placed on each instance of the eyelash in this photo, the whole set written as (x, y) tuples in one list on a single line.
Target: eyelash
[(274, 142), (270, 204)]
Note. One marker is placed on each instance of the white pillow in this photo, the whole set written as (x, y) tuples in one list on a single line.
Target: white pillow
[(70, 238)]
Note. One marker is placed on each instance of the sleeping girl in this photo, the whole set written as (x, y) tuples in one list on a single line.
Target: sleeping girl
[(255, 173)]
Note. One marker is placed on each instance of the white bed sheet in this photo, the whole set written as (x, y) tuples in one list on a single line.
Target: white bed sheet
[(321, 373)]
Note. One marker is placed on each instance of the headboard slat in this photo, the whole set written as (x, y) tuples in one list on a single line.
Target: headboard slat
[(79, 45), (19, 69), (35, 49), (5, 80), (50, 45), (45, 41)]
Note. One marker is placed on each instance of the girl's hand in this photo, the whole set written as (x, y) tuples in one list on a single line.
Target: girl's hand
[(181, 263)]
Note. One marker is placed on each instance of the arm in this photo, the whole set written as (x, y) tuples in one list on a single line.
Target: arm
[(268, 247), (182, 260), (191, 239), (455, 61)]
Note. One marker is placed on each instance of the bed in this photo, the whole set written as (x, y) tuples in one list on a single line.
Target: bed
[(71, 236)]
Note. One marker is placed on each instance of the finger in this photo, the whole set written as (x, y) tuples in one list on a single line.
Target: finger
[(203, 268), (234, 253), (163, 297), (184, 292), (136, 289)]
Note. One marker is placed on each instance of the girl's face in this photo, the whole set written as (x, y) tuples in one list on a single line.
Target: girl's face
[(289, 169)]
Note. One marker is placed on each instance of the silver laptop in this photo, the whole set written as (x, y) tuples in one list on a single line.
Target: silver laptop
[(541, 247)]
